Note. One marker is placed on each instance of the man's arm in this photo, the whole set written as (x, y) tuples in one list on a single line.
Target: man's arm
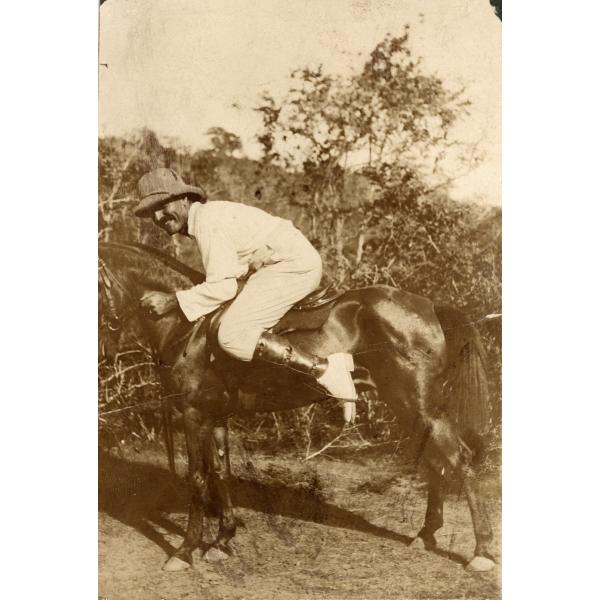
[(205, 297), (194, 303), (222, 269)]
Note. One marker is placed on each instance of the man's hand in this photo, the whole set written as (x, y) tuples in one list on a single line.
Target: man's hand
[(157, 304)]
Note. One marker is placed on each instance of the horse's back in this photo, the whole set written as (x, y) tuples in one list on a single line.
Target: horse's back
[(385, 295), (402, 313), (382, 321)]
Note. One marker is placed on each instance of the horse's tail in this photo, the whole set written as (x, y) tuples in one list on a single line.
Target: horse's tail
[(167, 418), (465, 385)]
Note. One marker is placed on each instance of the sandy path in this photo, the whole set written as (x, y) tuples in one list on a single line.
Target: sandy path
[(323, 529)]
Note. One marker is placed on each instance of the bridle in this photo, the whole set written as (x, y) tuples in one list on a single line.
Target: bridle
[(116, 319), (109, 280)]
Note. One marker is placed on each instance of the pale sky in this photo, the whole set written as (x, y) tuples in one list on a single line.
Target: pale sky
[(178, 66)]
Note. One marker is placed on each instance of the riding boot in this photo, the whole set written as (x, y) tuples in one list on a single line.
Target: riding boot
[(332, 373)]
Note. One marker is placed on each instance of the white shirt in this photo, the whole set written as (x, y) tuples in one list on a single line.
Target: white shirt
[(227, 233)]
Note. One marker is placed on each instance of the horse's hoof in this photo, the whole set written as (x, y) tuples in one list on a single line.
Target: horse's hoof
[(480, 564), (215, 555), (176, 564), (417, 544)]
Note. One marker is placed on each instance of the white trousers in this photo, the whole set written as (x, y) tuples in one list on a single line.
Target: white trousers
[(292, 272)]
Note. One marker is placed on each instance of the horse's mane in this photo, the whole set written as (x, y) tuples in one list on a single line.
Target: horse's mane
[(168, 261)]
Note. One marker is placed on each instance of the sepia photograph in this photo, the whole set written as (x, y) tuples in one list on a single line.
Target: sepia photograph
[(299, 299)]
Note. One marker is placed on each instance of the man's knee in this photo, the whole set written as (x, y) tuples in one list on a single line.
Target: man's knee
[(226, 334), (317, 272), (237, 341)]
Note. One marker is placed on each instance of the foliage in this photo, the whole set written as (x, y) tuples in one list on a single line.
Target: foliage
[(398, 121), (387, 219), (389, 113), (126, 385), (223, 142)]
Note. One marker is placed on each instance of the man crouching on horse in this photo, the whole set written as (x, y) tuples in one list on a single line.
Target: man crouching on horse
[(236, 240)]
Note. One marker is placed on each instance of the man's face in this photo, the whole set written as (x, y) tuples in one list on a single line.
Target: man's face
[(173, 216)]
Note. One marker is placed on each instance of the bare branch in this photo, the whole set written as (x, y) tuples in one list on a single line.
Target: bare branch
[(331, 444)]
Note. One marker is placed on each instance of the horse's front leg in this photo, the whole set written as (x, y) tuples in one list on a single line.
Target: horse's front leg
[(220, 474), (434, 517), (198, 434)]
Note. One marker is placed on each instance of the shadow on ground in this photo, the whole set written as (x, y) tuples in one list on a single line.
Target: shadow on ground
[(140, 494)]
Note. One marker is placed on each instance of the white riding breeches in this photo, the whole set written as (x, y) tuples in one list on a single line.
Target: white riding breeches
[(292, 270)]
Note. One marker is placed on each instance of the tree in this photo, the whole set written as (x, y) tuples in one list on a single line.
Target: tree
[(224, 142), (388, 115), (389, 123)]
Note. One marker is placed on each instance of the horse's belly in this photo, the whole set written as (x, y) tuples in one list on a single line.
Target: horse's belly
[(277, 388)]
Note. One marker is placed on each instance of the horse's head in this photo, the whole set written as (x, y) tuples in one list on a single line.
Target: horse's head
[(125, 272), (119, 309)]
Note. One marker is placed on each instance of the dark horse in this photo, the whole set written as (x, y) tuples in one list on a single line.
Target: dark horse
[(426, 363)]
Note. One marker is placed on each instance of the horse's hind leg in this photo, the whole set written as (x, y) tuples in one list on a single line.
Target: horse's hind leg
[(198, 433), (444, 443), (220, 477), (482, 561), (441, 447)]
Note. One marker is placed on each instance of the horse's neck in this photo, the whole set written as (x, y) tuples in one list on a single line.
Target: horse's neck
[(170, 282), (143, 270), (166, 331), (169, 334)]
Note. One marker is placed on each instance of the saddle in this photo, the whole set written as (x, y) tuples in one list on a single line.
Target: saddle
[(309, 313)]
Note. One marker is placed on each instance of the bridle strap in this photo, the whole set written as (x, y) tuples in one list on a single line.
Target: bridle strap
[(132, 305), (109, 279)]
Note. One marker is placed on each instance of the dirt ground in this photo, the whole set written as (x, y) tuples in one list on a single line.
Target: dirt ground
[(327, 529)]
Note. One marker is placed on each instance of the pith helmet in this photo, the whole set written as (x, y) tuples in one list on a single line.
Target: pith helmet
[(161, 186)]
